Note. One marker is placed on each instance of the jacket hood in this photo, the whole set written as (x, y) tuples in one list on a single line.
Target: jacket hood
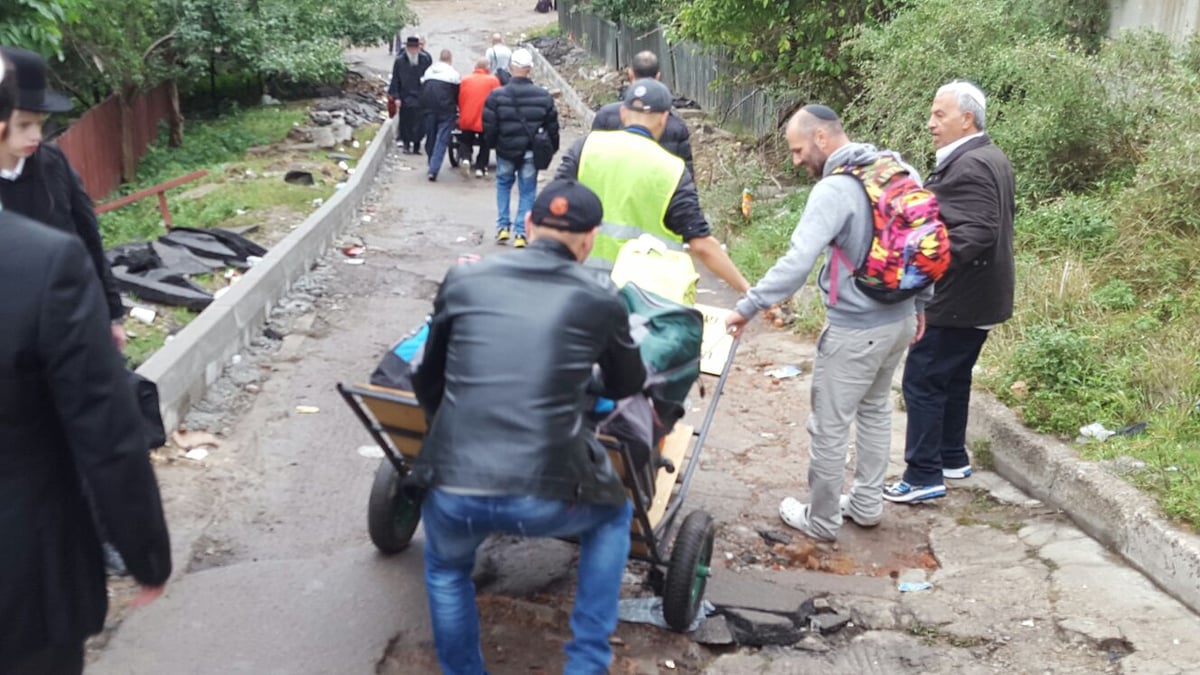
[(855, 154), (443, 72)]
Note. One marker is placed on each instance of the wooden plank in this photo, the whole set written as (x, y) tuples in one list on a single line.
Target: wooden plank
[(716, 343), (149, 192), (675, 448), (397, 415)]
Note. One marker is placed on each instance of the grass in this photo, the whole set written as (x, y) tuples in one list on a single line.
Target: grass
[(145, 339), (243, 186)]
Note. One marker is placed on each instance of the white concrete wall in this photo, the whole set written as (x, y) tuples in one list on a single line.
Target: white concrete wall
[(1177, 18)]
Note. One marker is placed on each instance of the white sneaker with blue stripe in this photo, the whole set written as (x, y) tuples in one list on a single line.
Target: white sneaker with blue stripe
[(903, 493)]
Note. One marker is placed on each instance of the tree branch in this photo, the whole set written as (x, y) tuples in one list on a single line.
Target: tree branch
[(156, 44)]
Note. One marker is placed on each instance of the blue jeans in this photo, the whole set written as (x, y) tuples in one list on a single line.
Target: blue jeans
[(937, 394), (455, 525), (437, 140), (526, 179)]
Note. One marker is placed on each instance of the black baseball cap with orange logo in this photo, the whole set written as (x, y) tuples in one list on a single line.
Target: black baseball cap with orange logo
[(567, 205)]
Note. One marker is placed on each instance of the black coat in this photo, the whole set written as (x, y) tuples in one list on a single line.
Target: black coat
[(676, 139), (976, 193), (439, 98), (49, 191), (69, 426), (406, 78), (517, 425), (513, 113)]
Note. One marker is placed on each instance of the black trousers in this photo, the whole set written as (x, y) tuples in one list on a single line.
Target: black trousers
[(937, 395), (466, 141), (56, 660), (412, 126)]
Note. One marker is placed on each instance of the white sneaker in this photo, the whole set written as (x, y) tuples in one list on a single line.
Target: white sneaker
[(957, 474), (478, 173)]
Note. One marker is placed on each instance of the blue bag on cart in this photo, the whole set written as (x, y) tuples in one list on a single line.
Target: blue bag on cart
[(395, 370)]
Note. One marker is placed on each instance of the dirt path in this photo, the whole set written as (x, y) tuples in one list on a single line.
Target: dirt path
[(276, 575)]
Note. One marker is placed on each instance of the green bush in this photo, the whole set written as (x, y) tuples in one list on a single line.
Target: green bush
[(1115, 295), (1081, 224), (1068, 119), (1068, 384)]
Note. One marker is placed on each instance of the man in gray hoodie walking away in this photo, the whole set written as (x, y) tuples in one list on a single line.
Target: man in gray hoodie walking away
[(862, 341)]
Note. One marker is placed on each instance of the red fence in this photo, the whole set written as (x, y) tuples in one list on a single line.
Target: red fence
[(93, 143)]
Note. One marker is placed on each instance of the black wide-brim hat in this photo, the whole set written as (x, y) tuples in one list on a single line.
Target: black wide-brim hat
[(32, 93)]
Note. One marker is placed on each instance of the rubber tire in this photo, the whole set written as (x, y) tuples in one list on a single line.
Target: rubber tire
[(390, 518), (693, 549), (452, 150)]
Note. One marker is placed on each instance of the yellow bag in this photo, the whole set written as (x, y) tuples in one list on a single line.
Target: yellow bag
[(654, 267)]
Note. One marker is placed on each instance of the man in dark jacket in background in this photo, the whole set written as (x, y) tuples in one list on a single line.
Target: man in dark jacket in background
[(675, 137), (405, 88), (976, 193), (72, 446), (512, 115), (508, 448), (439, 101)]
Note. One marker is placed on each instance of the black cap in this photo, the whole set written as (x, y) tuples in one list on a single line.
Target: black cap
[(821, 112), (32, 93), (567, 205), (412, 41), (648, 95)]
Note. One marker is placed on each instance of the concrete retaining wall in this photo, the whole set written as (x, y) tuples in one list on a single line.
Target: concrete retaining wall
[(1103, 505), (187, 365)]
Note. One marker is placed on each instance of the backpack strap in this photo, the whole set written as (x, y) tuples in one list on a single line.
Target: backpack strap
[(837, 255)]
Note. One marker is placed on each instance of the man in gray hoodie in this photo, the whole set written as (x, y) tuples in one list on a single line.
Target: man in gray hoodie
[(862, 341)]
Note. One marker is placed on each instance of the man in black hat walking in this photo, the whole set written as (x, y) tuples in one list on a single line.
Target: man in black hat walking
[(510, 450), (37, 181), (405, 88), (72, 448)]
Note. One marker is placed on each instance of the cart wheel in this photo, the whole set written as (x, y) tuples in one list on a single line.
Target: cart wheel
[(452, 150), (688, 572), (392, 518)]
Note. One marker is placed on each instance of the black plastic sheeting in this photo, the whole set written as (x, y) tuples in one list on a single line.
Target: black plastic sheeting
[(157, 271)]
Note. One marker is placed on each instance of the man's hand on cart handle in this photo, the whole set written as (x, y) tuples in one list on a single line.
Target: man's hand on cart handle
[(735, 323)]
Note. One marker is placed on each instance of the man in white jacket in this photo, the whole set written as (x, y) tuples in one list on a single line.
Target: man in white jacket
[(439, 101)]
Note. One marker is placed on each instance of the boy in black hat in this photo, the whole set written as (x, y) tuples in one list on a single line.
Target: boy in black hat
[(405, 88), (37, 181), (72, 446), (505, 380)]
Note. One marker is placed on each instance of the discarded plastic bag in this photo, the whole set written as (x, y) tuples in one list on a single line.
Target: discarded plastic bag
[(650, 611)]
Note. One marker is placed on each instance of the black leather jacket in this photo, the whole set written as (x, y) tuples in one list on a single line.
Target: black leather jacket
[(506, 377)]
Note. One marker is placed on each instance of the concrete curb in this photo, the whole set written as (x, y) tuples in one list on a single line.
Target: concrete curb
[(1105, 506), (551, 77), (189, 364)]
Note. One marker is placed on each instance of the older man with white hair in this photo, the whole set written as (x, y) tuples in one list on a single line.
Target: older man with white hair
[(975, 188)]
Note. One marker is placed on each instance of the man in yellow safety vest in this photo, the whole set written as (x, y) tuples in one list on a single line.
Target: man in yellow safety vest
[(644, 188)]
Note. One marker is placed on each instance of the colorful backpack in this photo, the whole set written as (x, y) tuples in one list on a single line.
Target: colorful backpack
[(910, 245)]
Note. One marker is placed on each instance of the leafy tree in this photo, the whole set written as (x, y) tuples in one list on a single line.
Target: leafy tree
[(38, 24), (637, 13), (790, 43)]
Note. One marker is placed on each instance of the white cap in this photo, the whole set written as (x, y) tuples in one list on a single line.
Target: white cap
[(521, 58)]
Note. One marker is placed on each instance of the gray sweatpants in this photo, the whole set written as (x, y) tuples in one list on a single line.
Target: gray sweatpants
[(852, 379)]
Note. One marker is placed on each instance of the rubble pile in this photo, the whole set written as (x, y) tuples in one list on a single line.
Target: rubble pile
[(334, 119)]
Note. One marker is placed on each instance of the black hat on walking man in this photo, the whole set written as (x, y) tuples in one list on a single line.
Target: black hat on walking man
[(33, 94)]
